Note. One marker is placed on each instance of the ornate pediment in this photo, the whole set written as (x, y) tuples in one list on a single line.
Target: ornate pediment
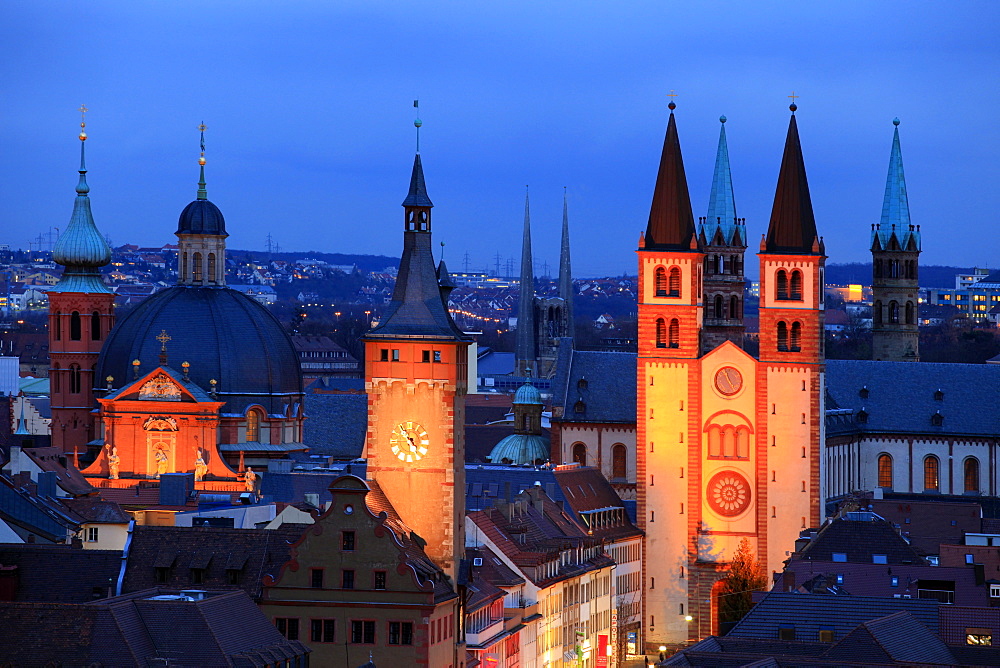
[(159, 388), (160, 423)]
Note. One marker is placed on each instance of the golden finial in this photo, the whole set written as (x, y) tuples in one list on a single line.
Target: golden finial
[(671, 95), (163, 337), (202, 128), (83, 121), (793, 106)]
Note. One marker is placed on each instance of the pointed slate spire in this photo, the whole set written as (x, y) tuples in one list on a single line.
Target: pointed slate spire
[(721, 203), (565, 273), (81, 248), (418, 189), (671, 223), (895, 206), (792, 228), (524, 349)]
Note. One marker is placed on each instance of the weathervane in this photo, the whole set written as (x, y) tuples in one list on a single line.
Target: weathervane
[(202, 128), (417, 122), (83, 121)]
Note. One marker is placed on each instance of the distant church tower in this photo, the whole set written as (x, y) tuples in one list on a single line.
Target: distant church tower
[(525, 341), (81, 313), (895, 256), (723, 237), (416, 368), (727, 445)]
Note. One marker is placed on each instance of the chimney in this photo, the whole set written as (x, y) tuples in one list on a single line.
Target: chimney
[(47, 484), (175, 488)]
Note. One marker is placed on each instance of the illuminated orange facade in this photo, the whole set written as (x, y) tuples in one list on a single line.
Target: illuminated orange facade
[(727, 445)]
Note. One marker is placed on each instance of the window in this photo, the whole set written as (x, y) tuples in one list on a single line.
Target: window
[(909, 313), (75, 333), (92, 534), (211, 267), (347, 541), (580, 453), (894, 581), (931, 467), (74, 379), (719, 311), (880, 559), (253, 426), (970, 559), (316, 577), (995, 591), (288, 627), (161, 574), (58, 326), (379, 580), (321, 630), (979, 637), (675, 282), (400, 633), (795, 343), (232, 576), (660, 281), (395, 354), (783, 336), (840, 577), (885, 471), (893, 313), (437, 355), (619, 455), (839, 556), (796, 285), (197, 576), (937, 419), (425, 356), (734, 308), (661, 333), (347, 581), (786, 632), (95, 326), (384, 355), (877, 312), (971, 475), (674, 335), (826, 635), (362, 632), (782, 281), (197, 273)]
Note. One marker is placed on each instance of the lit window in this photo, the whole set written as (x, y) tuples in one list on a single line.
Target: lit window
[(840, 556), (879, 559), (979, 637)]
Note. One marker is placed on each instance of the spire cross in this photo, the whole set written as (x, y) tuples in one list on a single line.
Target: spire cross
[(671, 94), (163, 337), (794, 96)]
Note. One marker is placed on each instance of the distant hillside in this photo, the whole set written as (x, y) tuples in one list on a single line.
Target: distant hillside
[(364, 262), (933, 276)]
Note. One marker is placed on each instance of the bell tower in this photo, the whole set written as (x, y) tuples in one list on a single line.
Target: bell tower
[(81, 313), (895, 254), (416, 367)]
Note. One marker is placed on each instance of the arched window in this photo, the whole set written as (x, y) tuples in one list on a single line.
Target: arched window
[(619, 462), (734, 308), (211, 268), (675, 282), (796, 289), (95, 326), (893, 313), (75, 328), (58, 326), (674, 335), (782, 280), (877, 268), (877, 312), (184, 266), (660, 282), (742, 443), (720, 264), (885, 471), (715, 441), (909, 313), (971, 475), (197, 274), (782, 336), (795, 343), (720, 309), (580, 453), (74, 379), (931, 468), (253, 426), (661, 333)]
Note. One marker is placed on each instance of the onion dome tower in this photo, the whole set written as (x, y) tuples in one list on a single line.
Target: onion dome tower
[(527, 445), (895, 250), (81, 313), (723, 237)]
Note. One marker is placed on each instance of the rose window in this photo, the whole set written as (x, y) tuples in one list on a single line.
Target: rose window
[(728, 493)]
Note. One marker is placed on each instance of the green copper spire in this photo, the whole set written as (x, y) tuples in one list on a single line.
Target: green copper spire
[(895, 207), (81, 248), (202, 192), (721, 203)]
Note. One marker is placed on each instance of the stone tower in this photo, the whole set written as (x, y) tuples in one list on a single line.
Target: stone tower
[(895, 255), (416, 369), (81, 313)]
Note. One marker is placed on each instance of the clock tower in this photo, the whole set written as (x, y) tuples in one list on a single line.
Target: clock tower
[(416, 362)]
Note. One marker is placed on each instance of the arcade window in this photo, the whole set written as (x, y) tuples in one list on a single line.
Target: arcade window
[(400, 633), (362, 632), (321, 630), (288, 627)]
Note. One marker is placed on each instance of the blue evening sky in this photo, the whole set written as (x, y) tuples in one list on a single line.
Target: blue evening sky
[(309, 109)]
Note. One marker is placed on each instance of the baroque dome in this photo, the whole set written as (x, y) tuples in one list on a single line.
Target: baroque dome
[(222, 333), (201, 217)]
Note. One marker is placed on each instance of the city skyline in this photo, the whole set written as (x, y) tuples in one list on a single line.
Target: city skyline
[(310, 134)]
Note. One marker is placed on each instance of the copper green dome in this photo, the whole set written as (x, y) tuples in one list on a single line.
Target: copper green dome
[(521, 449), (528, 394)]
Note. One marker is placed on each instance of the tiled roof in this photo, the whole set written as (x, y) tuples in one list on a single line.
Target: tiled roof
[(96, 510), (258, 552), (968, 401), (859, 539), (69, 477), (847, 579), (28, 513), (337, 424), (596, 387), (61, 573), (927, 524), (896, 638)]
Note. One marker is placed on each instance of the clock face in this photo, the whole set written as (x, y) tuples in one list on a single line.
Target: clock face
[(728, 493), (728, 380), (409, 441)]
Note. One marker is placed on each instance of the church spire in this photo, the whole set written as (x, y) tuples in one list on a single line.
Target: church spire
[(81, 248), (721, 203), (565, 273), (792, 228), (671, 223), (895, 206), (524, 349)]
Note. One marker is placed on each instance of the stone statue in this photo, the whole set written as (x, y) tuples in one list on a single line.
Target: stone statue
[(114, 461), (200, 467), (250, 478), (161, 462)]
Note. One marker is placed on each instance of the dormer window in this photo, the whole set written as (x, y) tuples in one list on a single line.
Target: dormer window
[(862, 416), (938, 395), (937, 419), (864, 392)]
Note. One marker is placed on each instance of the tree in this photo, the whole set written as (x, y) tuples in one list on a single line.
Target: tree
[(745, 576)]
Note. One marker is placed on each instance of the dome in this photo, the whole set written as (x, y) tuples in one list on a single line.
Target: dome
[(201, 217), (224, 334), (528, 394), (521, 449)]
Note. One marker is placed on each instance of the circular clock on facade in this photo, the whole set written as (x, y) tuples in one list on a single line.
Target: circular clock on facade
[(728, 493), (728, 380), (409, 441)]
